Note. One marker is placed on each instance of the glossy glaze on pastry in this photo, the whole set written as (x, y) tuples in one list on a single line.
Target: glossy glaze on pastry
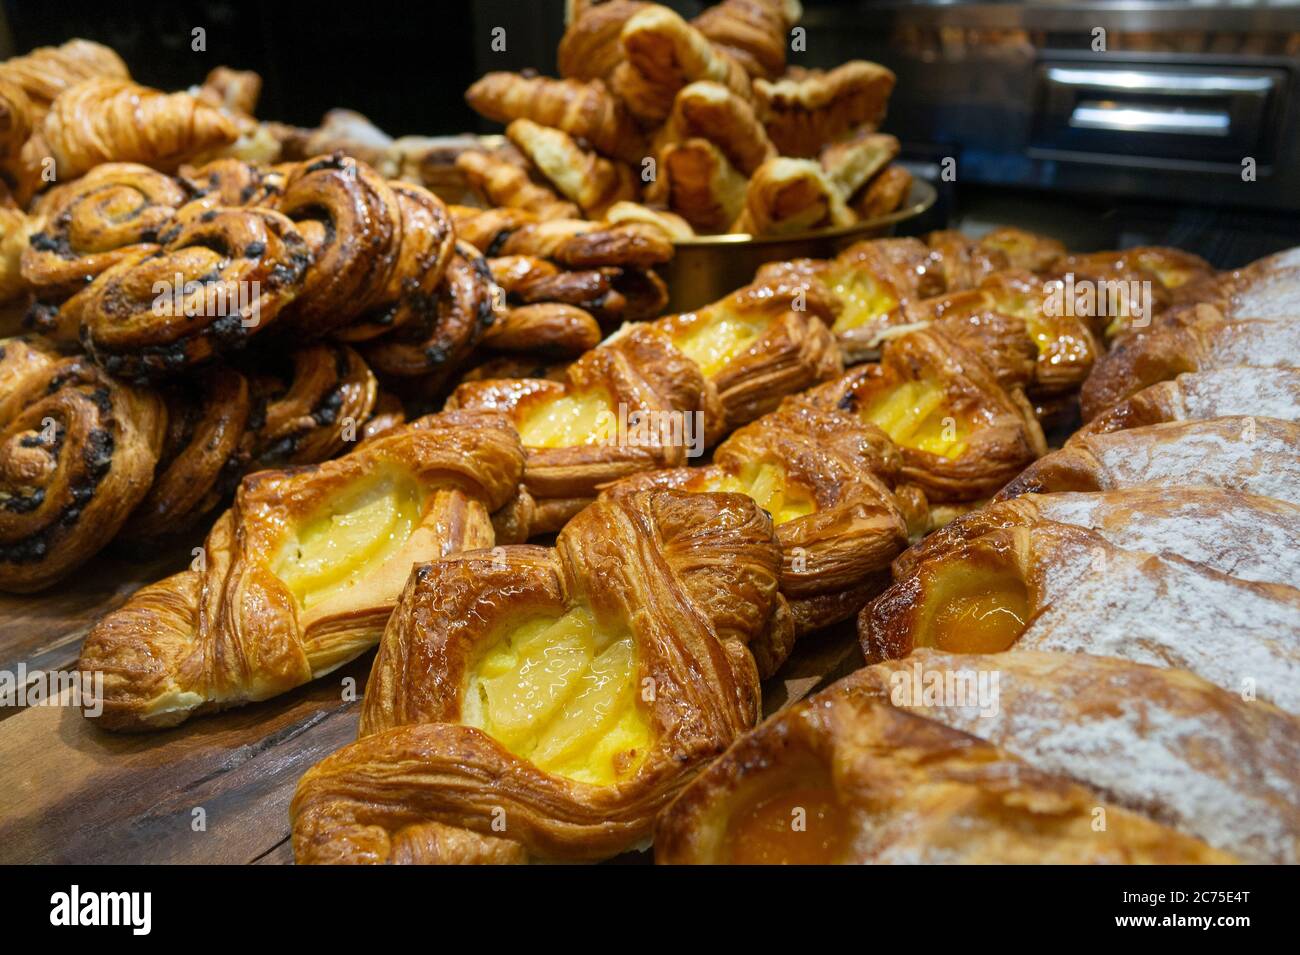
[(301, 574), (844, 777), (553, 699)]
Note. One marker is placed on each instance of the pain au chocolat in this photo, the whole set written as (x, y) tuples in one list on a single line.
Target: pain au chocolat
[(844, 777), (300, 575), (533, 703)]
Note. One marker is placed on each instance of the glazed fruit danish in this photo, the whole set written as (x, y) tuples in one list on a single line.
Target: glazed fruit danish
[(1049, 586), (843, 777), (301, 574), (825, 478), (77, 451), (962, 436), (531, 703)]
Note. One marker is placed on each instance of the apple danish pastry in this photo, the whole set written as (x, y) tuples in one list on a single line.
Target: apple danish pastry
[(843, 777), (532, 703), (77, 451), (824, 477), (301, 574), (1049, 586), (962, 436), (1163, 743)]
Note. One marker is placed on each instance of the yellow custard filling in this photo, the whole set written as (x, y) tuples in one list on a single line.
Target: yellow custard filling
[(913, 415), (718, 336), (863, 299), (361, 528), (767, 484), (563, 694), (575, 419)]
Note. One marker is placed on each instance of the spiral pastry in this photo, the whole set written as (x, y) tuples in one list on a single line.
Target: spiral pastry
[(230, 182), (86, 226), (424, 249), (438, 342), (15, 127), (352, 223), (312, 413), (77, 450), (199, 465), (218, 280)]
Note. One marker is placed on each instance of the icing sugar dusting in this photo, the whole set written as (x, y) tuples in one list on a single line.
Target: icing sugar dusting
[(1259, 343), (1265, 392)]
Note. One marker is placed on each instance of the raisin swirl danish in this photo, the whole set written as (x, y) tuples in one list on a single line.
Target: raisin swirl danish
[(546, 703), (301, 574), (77, 450)]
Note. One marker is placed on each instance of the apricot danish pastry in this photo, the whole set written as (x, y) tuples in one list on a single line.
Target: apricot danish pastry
[(843, 777), (300, 575), (547, 703), (77, 451)]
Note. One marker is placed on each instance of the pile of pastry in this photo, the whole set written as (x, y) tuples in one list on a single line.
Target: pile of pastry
[(701, 119), (185, 323)]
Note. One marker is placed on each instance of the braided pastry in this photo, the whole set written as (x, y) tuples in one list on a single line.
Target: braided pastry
[(611, 295), (82, 227), (77, 450), (15, 128), (555, 722), (823, 477), (225, 277), (663, 54), (805, 112), (300, 575), (752, 32), (583, 110), (230, 182), (877, 784), (108, 120), (591, 181), (505, 183)]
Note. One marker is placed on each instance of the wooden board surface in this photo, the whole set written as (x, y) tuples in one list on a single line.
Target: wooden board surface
[(215, 789)]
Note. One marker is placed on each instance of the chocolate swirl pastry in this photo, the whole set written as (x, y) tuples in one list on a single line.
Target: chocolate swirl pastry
[(77, 450), (311, 413), (225, 276), (436, 343), (207, 414), (87, 225), (353, 227), (231, 182)]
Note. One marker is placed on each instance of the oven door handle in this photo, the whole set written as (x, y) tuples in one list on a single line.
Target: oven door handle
[(1149, 118)]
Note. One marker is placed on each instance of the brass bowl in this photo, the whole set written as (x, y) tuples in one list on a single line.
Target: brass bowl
[(707, 267)]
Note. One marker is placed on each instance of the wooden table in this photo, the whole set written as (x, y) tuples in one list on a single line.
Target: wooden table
[(215, 789)]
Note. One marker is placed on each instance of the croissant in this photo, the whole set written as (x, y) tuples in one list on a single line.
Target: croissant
[(580, 244), (850, 163), (544, 328), (753, 32), (844, 777), (1256, 455), (1136, 733), (217, 281), (301, 574), (711, 111), (697, 182), (112, 120), (1243, 535), (961, 435), (1221, 392), (581, 175), (804, 113), (792, 195), (590, 48), (663, 54), (583, 110), (82, 227), (1049, 586), (47, 71), (77, 450), (1195, 338), (884, 194), (233, 90), (609, 294), (824, 478), (673, 226), (503, 183), (534, 703)]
